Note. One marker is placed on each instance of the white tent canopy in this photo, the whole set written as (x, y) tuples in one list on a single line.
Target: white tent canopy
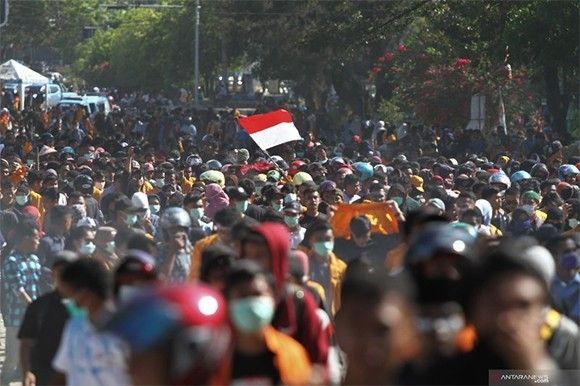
[(16, 72), (12, 71)]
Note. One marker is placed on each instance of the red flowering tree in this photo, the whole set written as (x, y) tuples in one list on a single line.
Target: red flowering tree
[(437, 90)]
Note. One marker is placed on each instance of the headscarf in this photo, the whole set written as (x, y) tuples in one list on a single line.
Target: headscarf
[(486, 211), (217, 199)]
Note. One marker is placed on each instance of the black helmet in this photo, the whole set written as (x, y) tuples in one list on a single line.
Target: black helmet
[(84, 184)]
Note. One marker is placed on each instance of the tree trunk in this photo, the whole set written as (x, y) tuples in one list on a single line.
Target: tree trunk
[(557, 100)]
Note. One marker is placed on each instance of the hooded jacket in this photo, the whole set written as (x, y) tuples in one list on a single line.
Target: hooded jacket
[(296, 311)]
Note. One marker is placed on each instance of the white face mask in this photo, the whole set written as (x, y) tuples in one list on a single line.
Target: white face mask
[(87, 248)]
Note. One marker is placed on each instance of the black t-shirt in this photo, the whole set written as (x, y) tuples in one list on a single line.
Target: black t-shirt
[(376, 250), (44, 322), (254, 369), (307, 219)]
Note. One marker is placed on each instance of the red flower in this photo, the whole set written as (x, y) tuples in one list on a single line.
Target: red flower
[(388, 56), (381, 58), (402, 48), (375, 70)]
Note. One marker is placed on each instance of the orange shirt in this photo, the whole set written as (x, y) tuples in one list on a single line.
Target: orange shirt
[(198, 249)]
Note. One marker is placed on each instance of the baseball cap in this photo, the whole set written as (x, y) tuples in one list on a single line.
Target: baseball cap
[(293, 207)]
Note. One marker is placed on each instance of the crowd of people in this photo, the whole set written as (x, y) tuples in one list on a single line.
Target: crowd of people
[(159, 245)]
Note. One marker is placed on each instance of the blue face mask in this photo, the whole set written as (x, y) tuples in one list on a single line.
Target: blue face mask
[(73, 309), (277, 206), (291, 221), (87, 248), (21, 200), (242, 206), (252, 314), (323, 248), (196, 213), (155, 208), (131, 219)]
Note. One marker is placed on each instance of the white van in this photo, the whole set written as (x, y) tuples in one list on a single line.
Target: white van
[(93, 104)]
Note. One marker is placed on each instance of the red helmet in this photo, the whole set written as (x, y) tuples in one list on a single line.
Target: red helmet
[(295, 167), (186, 322)]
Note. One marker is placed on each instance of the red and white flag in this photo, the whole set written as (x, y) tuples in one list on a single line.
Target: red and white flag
[(270, 129)]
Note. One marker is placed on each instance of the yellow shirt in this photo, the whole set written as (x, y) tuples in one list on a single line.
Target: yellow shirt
[(198, 249)]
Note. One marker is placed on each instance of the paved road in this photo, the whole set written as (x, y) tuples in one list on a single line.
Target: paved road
[(2, 348)]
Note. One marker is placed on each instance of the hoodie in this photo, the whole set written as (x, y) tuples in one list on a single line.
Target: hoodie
[(296, 312), (217, 199)]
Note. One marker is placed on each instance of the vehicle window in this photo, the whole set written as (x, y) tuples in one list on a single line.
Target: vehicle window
[(92, 108), (53, 89)]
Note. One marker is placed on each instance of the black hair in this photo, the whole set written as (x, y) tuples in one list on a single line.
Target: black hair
[(241, 228), (498, 263), (245, 271), (270, 215), (141, 242), (316, 226), (248, 185), (488, 192), (351, 179), (192, 197), (74, 235), (50, 193), (227, 217), (87, 274), (216, 257), (467, 195), (419, 217), (360, 225), (59, 213), (365, 281)]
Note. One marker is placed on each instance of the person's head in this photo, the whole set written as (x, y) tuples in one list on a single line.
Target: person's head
[(268, 245), (81, 240), (125, 213), (565, 252), (59, 220), (50, 198), (506, 294), (249, 291), (8, 191), (375, 325), (319, 238), (26, 237), (239, 199), (178, 335), (511, 199), (154, 203), (464, 201), (194, 205), (531, 200), (105, 239), (360, 230), (291, 213), (351, 184), (22, 195), (472, 217), (492, 195), (216, 263), (377, 192), (85, 282), (135, 271), (174, 223), (311, 199), (61, 261), (223, 221)]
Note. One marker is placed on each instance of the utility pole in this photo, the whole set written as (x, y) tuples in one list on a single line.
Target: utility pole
[(196, 54)]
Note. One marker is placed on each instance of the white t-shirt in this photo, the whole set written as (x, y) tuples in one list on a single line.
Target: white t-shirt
[(89, 357)]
